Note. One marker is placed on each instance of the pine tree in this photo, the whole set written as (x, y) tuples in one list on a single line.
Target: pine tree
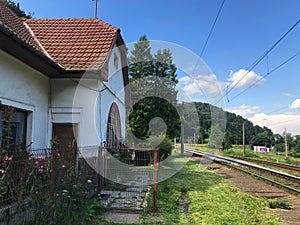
[(153, 79), (226, 145), (16, 9)]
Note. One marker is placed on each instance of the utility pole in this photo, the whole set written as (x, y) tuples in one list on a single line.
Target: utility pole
[(95, 9), (286, 145), (182, 132), (244, 151)]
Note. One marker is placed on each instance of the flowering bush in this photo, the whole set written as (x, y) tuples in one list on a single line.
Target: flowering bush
[(21, 174), (43, 181)]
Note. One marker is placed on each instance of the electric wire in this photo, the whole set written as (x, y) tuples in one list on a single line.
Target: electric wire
[(266, 75), (281, 122), (253, 65), (277, 110), (212, 28), (209, 35)]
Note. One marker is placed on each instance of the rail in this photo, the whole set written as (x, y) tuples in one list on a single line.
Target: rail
[(237, 163), (274, 164)]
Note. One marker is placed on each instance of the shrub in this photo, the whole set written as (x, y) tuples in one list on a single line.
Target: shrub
[(295, 154), (165, 146), (274, 204)]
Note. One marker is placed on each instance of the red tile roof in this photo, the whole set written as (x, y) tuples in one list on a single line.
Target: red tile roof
[(75, 44), (15, 25)]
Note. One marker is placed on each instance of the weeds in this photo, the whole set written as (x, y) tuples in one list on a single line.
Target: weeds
[(275, 204)]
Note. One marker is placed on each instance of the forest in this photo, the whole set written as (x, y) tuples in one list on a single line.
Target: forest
[(254, 134), (202, 123)]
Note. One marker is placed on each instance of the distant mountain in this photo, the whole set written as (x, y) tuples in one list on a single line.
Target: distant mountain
[(231, 123)]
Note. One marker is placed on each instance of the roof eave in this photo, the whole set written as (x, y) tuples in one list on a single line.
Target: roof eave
[(82, 73), (13, 45)]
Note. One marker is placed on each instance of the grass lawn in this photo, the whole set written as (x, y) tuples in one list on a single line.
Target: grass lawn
[(237, 150), (211, 200)]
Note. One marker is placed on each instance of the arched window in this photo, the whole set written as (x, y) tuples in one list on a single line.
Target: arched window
[(113, 130)]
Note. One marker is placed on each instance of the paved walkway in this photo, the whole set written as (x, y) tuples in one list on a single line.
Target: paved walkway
[(130, 196)]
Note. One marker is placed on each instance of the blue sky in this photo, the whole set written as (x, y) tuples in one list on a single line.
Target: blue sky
[(244, 31)]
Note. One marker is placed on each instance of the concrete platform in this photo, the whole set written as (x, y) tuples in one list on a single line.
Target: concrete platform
[(122, 217)]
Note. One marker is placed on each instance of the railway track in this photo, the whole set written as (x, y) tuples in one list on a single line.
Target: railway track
[(287, 181), (273, 164)]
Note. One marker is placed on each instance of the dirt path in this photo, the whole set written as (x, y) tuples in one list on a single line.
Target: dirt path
[(257, 188)]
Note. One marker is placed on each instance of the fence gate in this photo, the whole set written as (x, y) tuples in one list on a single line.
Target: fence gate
[(130, 178)]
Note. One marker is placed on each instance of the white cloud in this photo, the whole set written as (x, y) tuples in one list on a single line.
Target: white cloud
[(295, 104), (278, 122), (202, 85), (244, 78), (245, 110), (286, 94)]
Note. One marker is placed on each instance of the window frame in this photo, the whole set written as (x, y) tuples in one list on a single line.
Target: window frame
[(18, 124)]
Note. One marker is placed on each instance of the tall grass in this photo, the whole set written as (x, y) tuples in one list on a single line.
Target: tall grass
[(210, 200), (237, 150)]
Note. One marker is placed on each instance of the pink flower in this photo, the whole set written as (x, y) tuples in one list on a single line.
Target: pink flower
[(2, 171), (58, 155), (41, 158), (36, 162), (51, 170), (6, 158), (63, 166)]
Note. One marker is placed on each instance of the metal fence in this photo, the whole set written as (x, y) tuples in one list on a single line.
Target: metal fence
[(25, 187), (34, 183), (130, 176)]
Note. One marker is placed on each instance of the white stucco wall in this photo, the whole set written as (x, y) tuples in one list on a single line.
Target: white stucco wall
[(73, 101), (115, 84), (87, 102), (26, 89)]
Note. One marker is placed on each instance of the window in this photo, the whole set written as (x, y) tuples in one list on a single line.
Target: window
[(13, 125), (113, 130), (115, 60)]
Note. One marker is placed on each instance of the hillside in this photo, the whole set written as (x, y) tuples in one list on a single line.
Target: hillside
[(232, 124)]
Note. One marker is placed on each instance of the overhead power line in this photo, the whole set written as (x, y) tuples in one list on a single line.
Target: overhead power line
[(212, 28), (256, 62), (209, 35), (266, 75), (277, 110)]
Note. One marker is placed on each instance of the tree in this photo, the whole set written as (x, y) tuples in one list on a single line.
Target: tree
[(226, 145), (16, 9), (152, 84)]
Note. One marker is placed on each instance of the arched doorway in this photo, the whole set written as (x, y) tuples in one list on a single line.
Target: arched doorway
[(113, 130)]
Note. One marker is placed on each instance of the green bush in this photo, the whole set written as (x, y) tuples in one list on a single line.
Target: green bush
[(274, 204), (165, 146), (295, 154)]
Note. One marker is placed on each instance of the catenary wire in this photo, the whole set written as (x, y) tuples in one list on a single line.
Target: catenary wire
[(212, 28), (266, 75), (250, 68), (209, 35)]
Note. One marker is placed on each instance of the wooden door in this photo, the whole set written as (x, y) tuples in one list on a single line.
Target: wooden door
[(65, 136)]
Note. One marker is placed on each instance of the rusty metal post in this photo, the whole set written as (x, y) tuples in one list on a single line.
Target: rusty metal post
[(155, 169)]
